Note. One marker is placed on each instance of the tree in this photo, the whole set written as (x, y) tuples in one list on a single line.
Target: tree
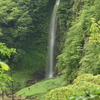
[(4, 51), (90, 62), (95, 32)]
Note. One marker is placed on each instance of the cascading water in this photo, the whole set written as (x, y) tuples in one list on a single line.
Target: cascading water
[(52, 40)]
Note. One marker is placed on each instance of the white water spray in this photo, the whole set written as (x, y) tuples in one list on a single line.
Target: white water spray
[(52, 39)]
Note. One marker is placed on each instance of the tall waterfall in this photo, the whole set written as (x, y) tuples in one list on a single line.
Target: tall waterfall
[(52, 40)]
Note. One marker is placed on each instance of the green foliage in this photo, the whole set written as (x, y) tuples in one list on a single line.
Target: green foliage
[(95, 32), (77, 51), (90, 61), (64, 11), (1, 32), (92, 94), (4, 77), (24, 23), (72, 51), (40, 88), (17, 57), (6, 11), (4, 66), (24, 26), (81, 84), (5, 51)]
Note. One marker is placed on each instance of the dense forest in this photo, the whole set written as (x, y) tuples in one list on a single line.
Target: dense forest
[(24, 26)]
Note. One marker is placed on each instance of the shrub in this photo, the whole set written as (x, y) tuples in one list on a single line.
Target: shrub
[(93, 94), (80, 84)]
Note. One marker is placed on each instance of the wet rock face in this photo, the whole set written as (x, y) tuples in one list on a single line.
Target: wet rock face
[(36, 77)]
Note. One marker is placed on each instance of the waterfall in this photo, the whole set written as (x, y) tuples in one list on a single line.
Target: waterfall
[(52, 40)]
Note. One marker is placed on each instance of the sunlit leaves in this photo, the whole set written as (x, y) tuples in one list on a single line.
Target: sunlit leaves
[(4, 51), (90, 61), (95, 32), (6, 11), (4, 66), (4, 77), (83, 84)]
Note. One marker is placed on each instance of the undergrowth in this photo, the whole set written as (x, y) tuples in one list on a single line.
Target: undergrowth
[(80, 84), (41, 88)]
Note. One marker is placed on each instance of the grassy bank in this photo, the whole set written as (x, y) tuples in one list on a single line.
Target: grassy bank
[(41, 88)]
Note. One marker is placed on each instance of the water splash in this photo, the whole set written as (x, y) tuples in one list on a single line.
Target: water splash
[(52, 40)]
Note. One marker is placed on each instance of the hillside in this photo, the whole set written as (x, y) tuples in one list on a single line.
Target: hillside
[(79, 29), (24, 26)]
